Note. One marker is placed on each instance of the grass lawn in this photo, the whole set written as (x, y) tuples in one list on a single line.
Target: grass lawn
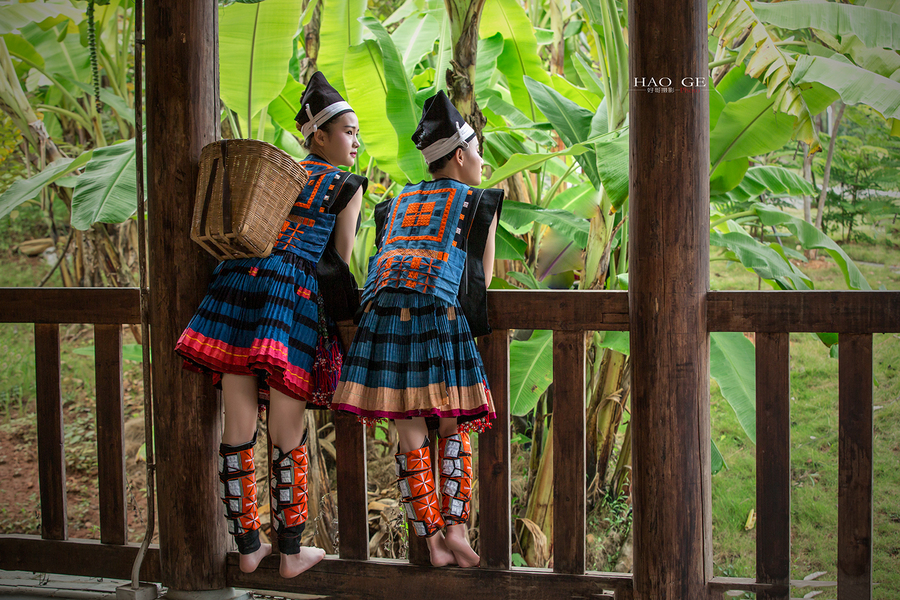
[(814, 445)]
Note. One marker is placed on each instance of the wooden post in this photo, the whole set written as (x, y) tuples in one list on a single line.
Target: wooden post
[(855, 471), (668, 285), (182, 117)]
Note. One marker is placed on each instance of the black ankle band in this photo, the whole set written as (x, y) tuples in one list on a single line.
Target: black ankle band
[(248, 543), (223, 448), (289, 539)]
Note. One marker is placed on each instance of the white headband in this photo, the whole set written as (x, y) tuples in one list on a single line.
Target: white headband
[(445, 146), (310, 127)]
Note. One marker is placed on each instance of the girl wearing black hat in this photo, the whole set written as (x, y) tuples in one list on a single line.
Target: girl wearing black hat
[(414, 358), (266, 330)]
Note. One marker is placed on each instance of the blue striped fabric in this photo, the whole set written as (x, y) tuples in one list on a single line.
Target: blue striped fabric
[(260, 317), (409, 359)]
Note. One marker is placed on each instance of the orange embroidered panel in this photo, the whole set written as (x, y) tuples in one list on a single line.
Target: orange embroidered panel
[(419, 214)]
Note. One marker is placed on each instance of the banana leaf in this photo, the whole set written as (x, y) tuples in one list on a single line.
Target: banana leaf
[(854, 84), (875, 28), (580, 96), (523, 162), (285, 106), (415, 38), (367, 92), (48, 13), (520, 51), (530, 371), (761, 259), (772, 179), (68, 58), (811, 238), (572, 122), (340, 28), (612, 168), (255, 47), (508, 247), (727, 176), (402, 110), (562, 222), (748, 127), (107, 191), (732, 363), (488, 51), (23, 190)]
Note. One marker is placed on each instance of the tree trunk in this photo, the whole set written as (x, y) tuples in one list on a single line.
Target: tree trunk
[(825, 177), (464, 18), (311, 42), (807, 175)]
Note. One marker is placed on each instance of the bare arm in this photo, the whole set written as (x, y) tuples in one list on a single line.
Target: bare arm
[(345, 226), (488, 257)]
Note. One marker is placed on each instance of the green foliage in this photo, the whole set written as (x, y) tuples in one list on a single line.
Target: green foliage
[(530, 371), (106, 192), (255, 46)]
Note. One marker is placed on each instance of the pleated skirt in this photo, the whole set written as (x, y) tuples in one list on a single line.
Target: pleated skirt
[(262, 317), (414, 356)]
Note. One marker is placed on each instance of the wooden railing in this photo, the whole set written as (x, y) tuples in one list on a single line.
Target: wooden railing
[(107, 310), (855, 316)]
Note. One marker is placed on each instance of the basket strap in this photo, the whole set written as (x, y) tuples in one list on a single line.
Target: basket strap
[(227, 225), (209, 189)]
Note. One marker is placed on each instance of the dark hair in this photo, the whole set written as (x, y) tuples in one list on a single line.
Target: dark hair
[(442, 161), (326, 127)]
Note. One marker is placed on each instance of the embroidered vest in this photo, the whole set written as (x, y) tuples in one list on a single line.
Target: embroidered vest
[(422, 241), (307, 228)]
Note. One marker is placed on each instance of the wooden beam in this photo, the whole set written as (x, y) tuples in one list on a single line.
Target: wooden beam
[(556, 309), (110, 429), (764, 311), (855, 472), (493, 457), (353, 522), (720, 585), (384, 579), (568, 451), (772, 312), (70, 305), (51, 445), (668, 287), (773, 463), (84, 558), (182, 117)]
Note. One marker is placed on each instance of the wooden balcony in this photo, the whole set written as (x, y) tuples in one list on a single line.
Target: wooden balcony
[(772, 315)]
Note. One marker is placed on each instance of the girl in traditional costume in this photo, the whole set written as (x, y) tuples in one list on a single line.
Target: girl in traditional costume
[(266, 329), (413, 358)]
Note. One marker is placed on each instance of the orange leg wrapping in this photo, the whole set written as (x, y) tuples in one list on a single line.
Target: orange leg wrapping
[(419, 498), (289, 496), (237, 488), (456, 477)]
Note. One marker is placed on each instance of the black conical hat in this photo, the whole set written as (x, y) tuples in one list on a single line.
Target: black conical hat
[(319, 103), (441, 129)]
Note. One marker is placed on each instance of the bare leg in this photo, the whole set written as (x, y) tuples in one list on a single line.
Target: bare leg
[(457, 539), (286, 425), (412, 434), (240, 396)]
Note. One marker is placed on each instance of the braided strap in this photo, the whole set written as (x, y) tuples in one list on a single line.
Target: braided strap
[(289, 496), (237, 488), (418, 495), (456, 477)]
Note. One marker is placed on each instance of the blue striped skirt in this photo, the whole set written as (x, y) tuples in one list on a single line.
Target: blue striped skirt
[(414, 356), (261, 317)]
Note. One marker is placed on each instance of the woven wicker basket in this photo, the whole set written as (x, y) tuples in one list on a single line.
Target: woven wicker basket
[(245, 190)]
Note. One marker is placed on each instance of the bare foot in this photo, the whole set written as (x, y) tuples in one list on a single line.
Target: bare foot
[(440, 554), (294, 564), (458, 543), (249, 562)]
